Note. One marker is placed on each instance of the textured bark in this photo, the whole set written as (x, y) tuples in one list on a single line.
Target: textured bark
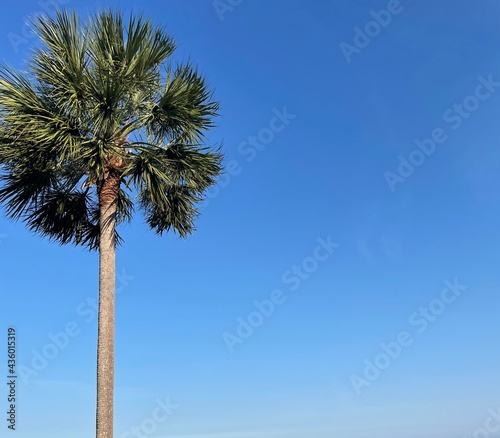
[(108, 192)]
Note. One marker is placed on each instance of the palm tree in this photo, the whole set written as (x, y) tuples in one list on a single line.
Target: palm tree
[(97, 125)]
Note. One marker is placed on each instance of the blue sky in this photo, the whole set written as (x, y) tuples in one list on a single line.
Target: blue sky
[(350, 250)]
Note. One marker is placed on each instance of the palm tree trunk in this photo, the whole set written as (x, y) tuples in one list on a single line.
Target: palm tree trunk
[(108, 192)]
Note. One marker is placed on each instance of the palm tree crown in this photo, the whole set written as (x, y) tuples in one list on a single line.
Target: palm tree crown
[(99, 104), (95, 127)]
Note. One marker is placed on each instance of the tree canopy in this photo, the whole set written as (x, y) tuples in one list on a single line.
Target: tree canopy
[(100, 99)]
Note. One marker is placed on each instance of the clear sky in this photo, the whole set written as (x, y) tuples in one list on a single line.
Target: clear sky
[(372, 252)]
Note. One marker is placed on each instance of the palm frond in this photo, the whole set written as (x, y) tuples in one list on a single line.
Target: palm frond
[(177, 212), (62, 65), (24, 188), (30, 115), (185, 109), (62, 216)]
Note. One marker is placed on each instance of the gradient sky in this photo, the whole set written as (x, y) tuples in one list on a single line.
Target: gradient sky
[(323, 175)]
